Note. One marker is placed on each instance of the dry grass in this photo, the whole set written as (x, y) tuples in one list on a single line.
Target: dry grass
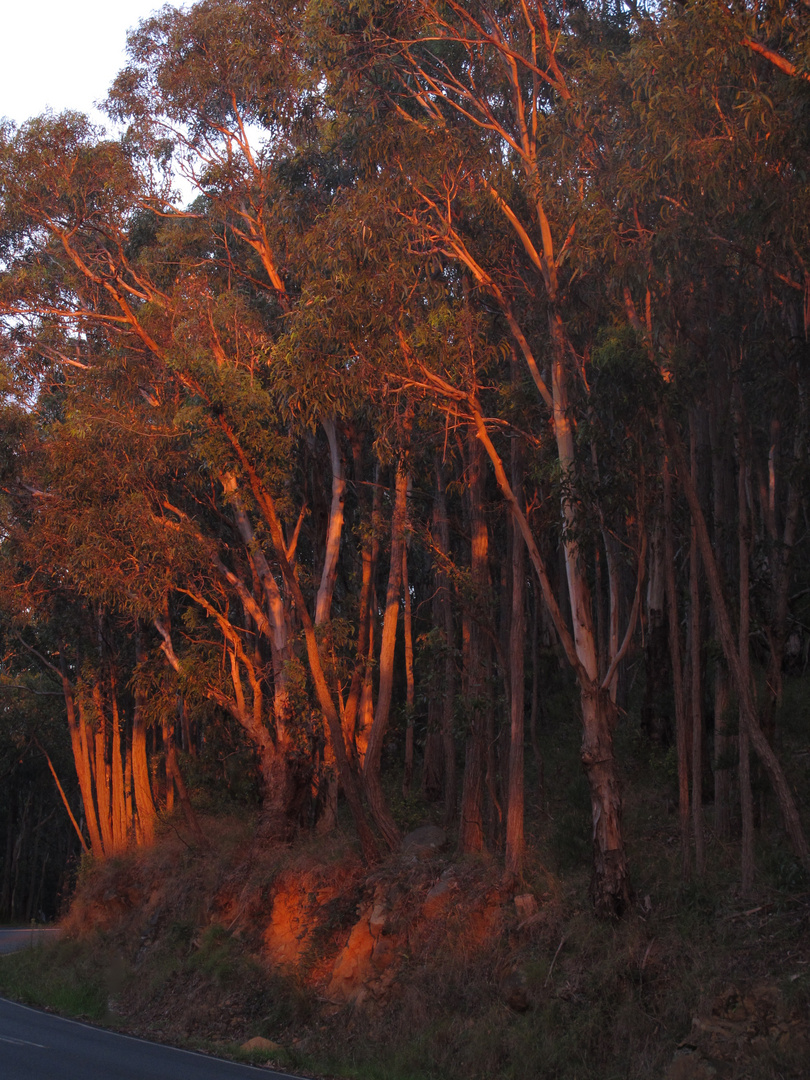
[(178, 943)]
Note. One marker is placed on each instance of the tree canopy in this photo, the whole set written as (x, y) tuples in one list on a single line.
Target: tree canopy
[(483, 339)]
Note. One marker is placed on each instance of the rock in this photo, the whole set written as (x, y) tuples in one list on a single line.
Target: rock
[(424, 842), (353, 962), (739, 1031), (369, 959), (265, 1045), (289, 930), (297, 910)]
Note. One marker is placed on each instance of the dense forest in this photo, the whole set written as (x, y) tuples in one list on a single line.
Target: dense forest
[(396, 365)]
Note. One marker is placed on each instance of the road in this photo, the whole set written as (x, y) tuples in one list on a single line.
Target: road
[(11, 940), (38, 1046)]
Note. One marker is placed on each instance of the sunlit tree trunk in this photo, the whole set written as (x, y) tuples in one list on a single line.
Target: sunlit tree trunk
[(327, 782), (359, 708), (268, 508), (323, 601), (277, 614), (371, 764), (144, 803), (81, 759), (101, 771)]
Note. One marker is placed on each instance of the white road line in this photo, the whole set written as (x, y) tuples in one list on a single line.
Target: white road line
[(148, 1042), (21, 1042)]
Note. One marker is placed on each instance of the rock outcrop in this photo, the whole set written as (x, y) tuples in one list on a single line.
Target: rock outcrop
[(737, 1030)]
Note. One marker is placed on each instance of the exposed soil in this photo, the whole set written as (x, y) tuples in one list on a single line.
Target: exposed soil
[(432, 966)]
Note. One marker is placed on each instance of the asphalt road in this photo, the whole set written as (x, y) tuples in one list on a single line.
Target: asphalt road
[(11, 940), (38, 1046)]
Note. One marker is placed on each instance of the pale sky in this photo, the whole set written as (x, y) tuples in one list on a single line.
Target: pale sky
[(63, 54)]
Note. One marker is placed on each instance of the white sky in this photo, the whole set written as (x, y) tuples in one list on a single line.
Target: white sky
[(63, 54)]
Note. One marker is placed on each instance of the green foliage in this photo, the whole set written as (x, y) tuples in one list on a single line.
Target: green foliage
[(217, 955), (402, 214), (70, 983)]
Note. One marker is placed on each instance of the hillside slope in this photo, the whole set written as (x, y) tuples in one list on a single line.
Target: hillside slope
[(425, 966)]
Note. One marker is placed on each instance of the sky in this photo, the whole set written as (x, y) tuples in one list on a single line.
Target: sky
[(63, 54)]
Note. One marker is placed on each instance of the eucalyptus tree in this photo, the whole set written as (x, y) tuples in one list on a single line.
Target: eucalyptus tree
[(111, 298), (199, 302), (494, 97), (714, 279)]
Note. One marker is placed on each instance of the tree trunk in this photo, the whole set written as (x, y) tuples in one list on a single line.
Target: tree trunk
[(277, 614), (746, 796), (144, 802), (347, 779), (725, 748), (327, 780), (677, 676), (614, 592), (65, 803), (81, 759), (102, 772), (780, 575), (517, 643), (167, 730), (129, 809), (658, 672), (471, 831), (371, 765), (534, 712), (119, 810), (323, 602), (173, 766), (695, 683), (723, 744), (610, 886), (787, 803), (410, 696), (442, 527), (359, 709)]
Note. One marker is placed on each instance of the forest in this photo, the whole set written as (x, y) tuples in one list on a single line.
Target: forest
[(398, 372)]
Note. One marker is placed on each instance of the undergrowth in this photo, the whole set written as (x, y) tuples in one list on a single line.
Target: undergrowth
[(171, 943)]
